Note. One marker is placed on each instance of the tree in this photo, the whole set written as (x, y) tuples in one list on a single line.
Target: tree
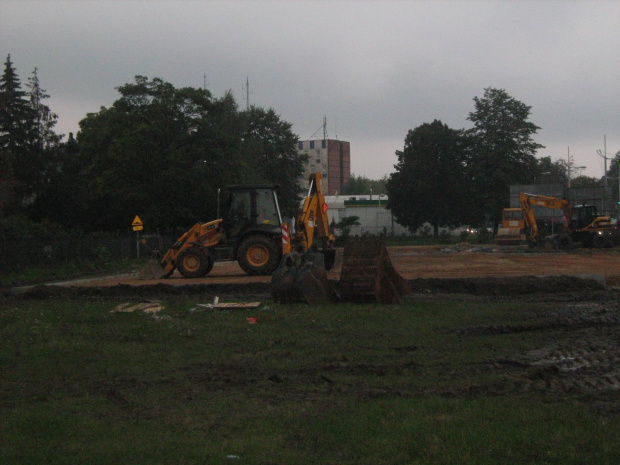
[(345, 224), (502, 149), (163, 152), (551, 172), (362, 185), (45, 119), (272, 150), (429, 184), (613, 175), (585, 181), (16, 123), (159, 152)]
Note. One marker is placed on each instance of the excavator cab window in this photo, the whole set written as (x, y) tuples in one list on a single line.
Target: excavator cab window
[(513, 215), (583, 215)]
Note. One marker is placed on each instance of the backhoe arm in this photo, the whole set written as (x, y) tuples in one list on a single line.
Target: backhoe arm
[(313, 218), (527, 201)]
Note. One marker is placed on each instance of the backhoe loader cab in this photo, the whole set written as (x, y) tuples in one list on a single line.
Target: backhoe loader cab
[(251, 208)]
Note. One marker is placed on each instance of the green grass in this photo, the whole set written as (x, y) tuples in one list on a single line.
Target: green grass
[(343, 384), (62, 271)]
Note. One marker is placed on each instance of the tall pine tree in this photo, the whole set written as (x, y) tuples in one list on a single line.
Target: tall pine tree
[(16, 118)]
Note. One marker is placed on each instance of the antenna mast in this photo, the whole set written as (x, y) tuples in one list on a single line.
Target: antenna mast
[(247, 93), (324, 127)]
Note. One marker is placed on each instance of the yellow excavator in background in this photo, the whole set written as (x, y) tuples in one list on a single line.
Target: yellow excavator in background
[(582, 224), (252, 233)]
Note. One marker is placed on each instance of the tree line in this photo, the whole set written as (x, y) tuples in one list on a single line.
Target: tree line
[(162, 152), (157, 151), (450, 177)]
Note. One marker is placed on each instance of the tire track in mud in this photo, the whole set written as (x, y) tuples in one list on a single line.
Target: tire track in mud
[(581, 353)]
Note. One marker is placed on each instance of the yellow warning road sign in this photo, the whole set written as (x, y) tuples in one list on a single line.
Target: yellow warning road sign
[(137, 224)]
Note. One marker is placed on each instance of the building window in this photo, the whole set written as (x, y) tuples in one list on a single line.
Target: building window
[(311, 144), (324, 143), (300, 145), (318, 161)]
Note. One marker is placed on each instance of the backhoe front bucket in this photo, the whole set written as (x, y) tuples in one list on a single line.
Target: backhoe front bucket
[(368, 275), (153, 270), (302, 278)]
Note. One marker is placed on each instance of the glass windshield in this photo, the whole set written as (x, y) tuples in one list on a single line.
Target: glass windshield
[(266, 207), (513, 215)]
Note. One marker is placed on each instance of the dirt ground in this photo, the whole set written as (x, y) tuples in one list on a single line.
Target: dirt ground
[(570, 300), (501, 272), (413, 263)]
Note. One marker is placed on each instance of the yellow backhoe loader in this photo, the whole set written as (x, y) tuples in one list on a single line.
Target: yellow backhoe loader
[(251, 232)]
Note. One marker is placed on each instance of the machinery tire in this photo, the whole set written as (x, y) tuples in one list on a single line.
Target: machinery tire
[(258, 255), (609, 242), (194, 262), (564, 242), (598, 242)]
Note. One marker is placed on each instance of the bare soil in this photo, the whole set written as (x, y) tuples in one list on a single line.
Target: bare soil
[(573, 305), (463, 269)]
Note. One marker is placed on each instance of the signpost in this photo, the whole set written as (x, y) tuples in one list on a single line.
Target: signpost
[(138, 226)]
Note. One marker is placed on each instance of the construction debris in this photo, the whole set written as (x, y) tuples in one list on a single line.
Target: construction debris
[(146, 307), (226, 305)]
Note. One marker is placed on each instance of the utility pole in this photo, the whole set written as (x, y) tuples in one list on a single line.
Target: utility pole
[(604, 156), (568, 164)]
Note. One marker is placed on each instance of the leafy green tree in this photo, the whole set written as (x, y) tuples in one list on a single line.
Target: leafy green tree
[(551, 172), (159, 152), (502, 149), (163, 152), (272, 149), (613, 176), (362, 185), (345, 224), (586, 181), (430, 184)]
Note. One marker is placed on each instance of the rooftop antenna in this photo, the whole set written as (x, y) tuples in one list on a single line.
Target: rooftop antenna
[(324, 127), (247, 93)]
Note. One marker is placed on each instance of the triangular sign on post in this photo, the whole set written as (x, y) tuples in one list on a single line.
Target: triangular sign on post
[(137, 224)]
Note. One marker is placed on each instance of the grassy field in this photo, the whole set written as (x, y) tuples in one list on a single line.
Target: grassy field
[(347, 384)]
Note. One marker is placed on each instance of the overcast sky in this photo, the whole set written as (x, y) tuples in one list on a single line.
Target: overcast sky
[(374, 69)]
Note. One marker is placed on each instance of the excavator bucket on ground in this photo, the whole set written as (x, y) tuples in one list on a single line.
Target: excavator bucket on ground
[(153, 246), (368, 275), (153, 270), (302, 278)]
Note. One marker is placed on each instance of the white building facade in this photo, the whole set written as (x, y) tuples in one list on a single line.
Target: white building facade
[(374, 218)]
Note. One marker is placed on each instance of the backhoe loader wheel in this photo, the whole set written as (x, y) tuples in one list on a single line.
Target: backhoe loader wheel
[(258, 255), (194, 263)]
